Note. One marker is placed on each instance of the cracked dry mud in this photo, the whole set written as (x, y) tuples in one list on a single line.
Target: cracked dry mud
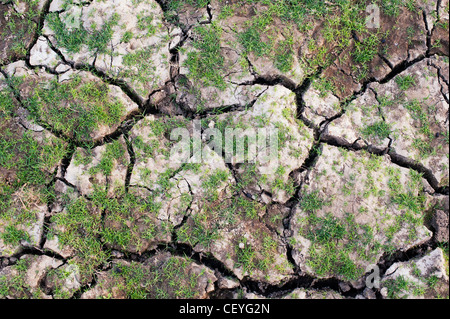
[(92, 206)]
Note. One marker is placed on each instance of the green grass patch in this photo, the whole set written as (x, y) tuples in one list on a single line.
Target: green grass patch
[(15, 286), (334, 241), (20, 26), (114, 153), (405, 82), (74, 39), (80, 228), (169, 280), (13, 236), (75, 108), (213, 182), (206, 63), (380, 130)]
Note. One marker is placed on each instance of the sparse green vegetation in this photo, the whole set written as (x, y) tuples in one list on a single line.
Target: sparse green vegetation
[(12, 236), (79, 228), (96, 39), (381, 130), (333, 241), (409, 200), (19, 28), (212, 183), (261, 36), (405, 82), (311, 202), (114, 152), (284, 55), (417, 285), (31, 160), (16, 285), (250, 259), (245, 256), (206, 64), (250, 39), (87, 182), (280, 184), (140, 69), (75, 108), (171, 279), (395, 287), (201, 232)]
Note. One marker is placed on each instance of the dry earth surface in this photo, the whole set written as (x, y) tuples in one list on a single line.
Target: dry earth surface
[(92, 205)]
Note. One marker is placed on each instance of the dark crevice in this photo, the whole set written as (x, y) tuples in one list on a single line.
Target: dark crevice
[(40, 25), (233, 171), (67, 183), (343, 106), (175, 249), (46, 227), (123, 128), (289, 254), (310, 161), (396, 70), (308, 165), (132, 163), (224, 109), (141, 186), (67, 159), (117, 82), (438, 7), (385, 60), (405, 162), (42, 284), (299, 281), (100, 74), (164, 5), (310, 282), (186, 214), (442, 81), (388, 259), (301, 104), (207, 259), (440, 75), (446, 98), (175, 56), (429, 31), (183, 222), (400, 68), (18, 97), (35, 251), (77, 294), (397, 159), (210, 15), (48, 69), (343, 143), (380, 113), (296, 175), (181, 250), (50, 202), (8, 2), (271, 80)]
